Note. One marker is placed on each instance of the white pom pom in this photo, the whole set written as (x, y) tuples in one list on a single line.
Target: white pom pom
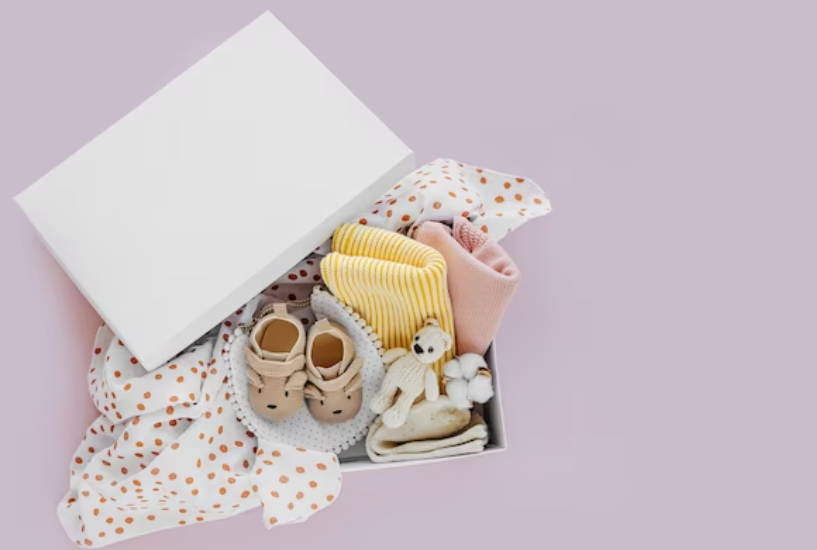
[(361, 323), (470, 363), (452, 369), (237, 332), (355, 315), (367, 329), (457, 391), (226, 347), (230, 338), (349, 309), (480, 389)]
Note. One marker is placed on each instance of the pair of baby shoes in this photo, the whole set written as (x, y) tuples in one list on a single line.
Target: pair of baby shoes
[(286, 365)]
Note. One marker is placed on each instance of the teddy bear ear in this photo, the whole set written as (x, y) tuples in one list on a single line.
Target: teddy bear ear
[(254, 379), (296, 380), (447, 340), (312, 391), (431, 322), (354, 384)]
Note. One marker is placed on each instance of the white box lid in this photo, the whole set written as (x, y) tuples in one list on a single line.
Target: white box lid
[(211, 189)]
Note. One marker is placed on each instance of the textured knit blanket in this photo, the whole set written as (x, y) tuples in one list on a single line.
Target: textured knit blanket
[(394, 282), (482, 278)]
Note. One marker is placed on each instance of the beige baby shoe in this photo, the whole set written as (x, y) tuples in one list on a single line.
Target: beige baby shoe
[(335, 388), (275, 355)]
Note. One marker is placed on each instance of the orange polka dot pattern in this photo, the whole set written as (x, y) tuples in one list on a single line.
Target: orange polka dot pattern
[(168, 451), (297, 482), (297, 284), (445, 189)]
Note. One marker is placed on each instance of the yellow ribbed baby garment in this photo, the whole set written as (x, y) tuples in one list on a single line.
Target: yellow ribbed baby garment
[(392, 281)]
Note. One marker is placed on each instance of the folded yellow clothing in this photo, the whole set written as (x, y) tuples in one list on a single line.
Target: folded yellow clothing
[(392, 281)]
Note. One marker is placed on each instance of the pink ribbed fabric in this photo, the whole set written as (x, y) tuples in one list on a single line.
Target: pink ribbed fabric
[(482, 279)]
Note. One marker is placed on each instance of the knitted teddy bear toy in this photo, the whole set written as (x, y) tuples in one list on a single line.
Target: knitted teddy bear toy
[(410, 373), (468, 380)]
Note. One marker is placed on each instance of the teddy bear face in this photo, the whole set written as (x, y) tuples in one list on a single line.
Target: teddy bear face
[(278, 398), (430, 343)]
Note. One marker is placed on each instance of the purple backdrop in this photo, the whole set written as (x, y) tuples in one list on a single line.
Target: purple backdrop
[(658, 364)]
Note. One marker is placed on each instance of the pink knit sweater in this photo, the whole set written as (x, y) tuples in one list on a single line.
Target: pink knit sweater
[(482, 279)]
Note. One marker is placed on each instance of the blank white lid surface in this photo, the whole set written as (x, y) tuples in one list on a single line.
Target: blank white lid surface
[(212, 188)]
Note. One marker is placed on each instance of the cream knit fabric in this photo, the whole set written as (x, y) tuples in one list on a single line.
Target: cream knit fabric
[(482, 279), (433, 429)]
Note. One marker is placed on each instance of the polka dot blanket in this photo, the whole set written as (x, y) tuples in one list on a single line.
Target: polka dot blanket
[(168, 450), (441, 190)]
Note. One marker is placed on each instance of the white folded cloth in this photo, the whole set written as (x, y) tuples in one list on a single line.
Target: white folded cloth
[(434, 429)]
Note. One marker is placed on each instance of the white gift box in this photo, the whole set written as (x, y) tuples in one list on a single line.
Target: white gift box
[(237, 169)]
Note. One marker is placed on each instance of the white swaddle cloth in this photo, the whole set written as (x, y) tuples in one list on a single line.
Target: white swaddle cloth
[(169, 451), (433, 429), (445, 189)]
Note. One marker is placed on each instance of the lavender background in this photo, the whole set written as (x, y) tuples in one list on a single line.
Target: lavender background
[(658, 364)]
